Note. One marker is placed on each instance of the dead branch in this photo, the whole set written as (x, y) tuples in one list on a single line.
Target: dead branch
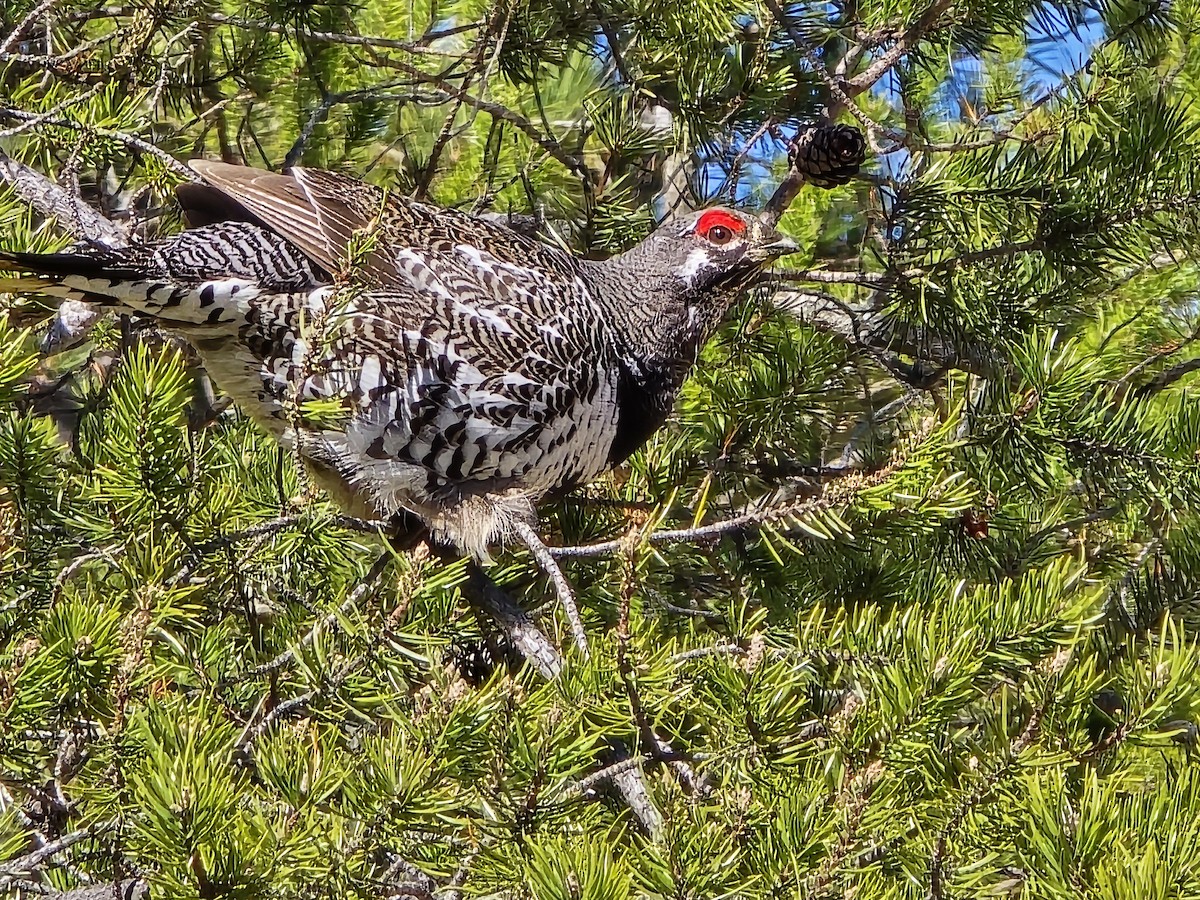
[(28, 864), (545, 560), (129, 889), (55, 202)]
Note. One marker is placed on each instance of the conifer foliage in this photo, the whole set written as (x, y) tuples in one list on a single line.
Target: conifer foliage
[(901, 603)]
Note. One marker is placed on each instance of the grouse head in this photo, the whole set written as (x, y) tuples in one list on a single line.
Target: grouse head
[(719, 250), (668, 294)]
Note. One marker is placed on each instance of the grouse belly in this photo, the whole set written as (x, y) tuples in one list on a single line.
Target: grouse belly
[(409, 420)]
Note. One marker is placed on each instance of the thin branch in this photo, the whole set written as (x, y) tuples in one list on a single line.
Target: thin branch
[(129, 140), (545, 560), (836, 492), (331, 37), (1168, 377), (129, 889), (871, 331), (1071, 526), (478, 66), (702, 652), (52, 112), (583, 785), (30, 861), (365, 526), (495, 110), (109, 555), (356, 596), (905, 42), (24, 24), (825, 276)]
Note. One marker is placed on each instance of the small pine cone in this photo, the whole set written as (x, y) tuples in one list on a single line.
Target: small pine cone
[(828, 155)]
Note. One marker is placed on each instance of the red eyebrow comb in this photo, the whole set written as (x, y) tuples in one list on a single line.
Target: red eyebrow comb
[(715, 217)]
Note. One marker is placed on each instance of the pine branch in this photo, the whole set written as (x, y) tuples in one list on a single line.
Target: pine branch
[(836, 492), (1168, 377), (360, 592), (904, 43), (486, 596), (55, 202), (497, 111), (330, 37), (129, 140), (868, 328), (283, 523)]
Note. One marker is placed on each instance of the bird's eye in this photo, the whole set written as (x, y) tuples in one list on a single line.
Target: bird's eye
[(718, 226), (719, 234)]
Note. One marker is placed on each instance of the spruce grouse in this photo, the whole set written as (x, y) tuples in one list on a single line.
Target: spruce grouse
[(478, 371)]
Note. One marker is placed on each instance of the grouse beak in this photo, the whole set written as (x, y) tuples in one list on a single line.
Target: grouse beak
[(781, 246)]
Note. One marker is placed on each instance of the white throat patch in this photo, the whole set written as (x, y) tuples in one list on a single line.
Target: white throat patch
[(696, 260)]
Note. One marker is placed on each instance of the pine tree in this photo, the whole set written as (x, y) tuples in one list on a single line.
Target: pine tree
[(901, 602)]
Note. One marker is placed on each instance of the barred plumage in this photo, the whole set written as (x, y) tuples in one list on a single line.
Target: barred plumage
[(478, 371)]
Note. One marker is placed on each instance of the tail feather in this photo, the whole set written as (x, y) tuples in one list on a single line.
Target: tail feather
[(124, 280), (53, 266), (207, 276)]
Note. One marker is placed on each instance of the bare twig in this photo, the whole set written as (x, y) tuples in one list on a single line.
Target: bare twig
[(702, 652), (332, 37), (366, 526), (545, 560), (833, 277), (701, 534), (108, 555), (868, 328), (583, 785), (129, 140)]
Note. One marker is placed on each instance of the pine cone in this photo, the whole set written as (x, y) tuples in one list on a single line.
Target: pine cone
[(828, 155)]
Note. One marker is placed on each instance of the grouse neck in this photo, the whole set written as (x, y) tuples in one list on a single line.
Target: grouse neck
[(657, 323)]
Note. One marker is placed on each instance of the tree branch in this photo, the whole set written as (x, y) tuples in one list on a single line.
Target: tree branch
[(495, 110), (54, 202), (130, 889), (486, 596), (131, 141), (837, 492), (869, 329)]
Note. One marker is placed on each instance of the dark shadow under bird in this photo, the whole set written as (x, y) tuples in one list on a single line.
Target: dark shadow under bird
[(463, 372)]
